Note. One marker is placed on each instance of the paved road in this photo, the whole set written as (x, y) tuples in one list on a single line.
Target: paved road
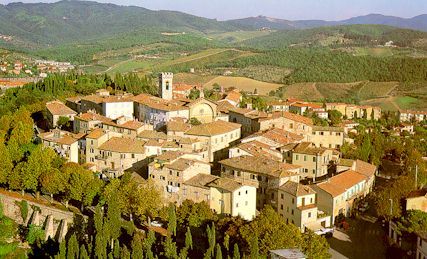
[(363, 240)]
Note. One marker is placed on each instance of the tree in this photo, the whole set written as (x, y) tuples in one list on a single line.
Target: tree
[(194, 214), (147, 200), (335, 117), (73, 247), (83, 252), (272, 231), (172, 219), (6, 161), (413, 221), (137, 246), (236, 252), (148, 244), (35, 233), (218, 252), (254, 247), (63, 122), (315, 246), (195, 121), (194, 94), (62, 254), (124, 253), (116, 250), (39, 161), (169, 247), (53, 181), (188, 239)]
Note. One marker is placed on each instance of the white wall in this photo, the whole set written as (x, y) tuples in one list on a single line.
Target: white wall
[(244, 204), (117, 109)]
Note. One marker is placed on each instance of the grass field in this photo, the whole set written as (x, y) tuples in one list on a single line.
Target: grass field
[(370, 90), (376, 52), (189, 78), (243, 83), (407, 102), (238, 36)]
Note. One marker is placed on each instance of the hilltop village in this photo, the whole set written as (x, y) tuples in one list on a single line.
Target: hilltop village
[(236, 159)]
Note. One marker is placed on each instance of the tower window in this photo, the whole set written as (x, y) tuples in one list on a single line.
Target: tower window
[(167, 85)]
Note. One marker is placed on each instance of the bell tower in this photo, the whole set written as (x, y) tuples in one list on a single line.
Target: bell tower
[(165, 85)]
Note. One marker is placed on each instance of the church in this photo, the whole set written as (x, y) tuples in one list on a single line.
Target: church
[(160, 110)]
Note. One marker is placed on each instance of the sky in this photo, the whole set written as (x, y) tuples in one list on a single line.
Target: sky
[(285, 9)]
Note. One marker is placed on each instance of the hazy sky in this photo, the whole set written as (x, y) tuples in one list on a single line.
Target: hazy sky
[(286, 9)]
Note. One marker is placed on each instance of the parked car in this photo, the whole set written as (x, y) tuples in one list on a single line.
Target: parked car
[(326, 232)]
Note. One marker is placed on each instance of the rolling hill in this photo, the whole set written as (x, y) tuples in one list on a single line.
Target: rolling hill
[(254, 23), (72, 21)]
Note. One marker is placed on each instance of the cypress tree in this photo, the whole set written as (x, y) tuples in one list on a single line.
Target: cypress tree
[(236, 252), (218, 252), (137, 247), (73, 247), (188, 239), (83, 252)]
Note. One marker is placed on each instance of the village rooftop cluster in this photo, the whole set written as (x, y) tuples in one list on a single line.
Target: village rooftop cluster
[(236, 159)]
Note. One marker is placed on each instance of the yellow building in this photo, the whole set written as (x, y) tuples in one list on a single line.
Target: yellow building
[(264, 174), (224, 195), (314, 161), (297, 204)]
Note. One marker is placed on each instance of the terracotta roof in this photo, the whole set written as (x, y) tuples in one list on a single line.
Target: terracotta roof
[(260, 165), (182, 87), (296, 189), (256, 148), (95, 134), (309, 149), (225, 184), (179, 126), (151, 134), (294, 117), (153, 143), (213, 128), (159, 103), (169, 156), (331, 129), (339, 184), (124, 145), (309, 105), (278, 103), (58, 108), (132, 125), (279, 136), (201, 180), (366, 169), (234, 96), (224, 106), (181, 164), (65, 138), (91, 116), (252, 114), (418, 193), (107, 99), (74, 99)]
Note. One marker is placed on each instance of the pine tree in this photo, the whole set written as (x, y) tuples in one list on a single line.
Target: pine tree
[(137, 246), (172, 220), (236, 252), (116, 250), (73, 247), (218, 252), (124, 253), (83, 252), (188, 239), (148, 244), (254, 247)]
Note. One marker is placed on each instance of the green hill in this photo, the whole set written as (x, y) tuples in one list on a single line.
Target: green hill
[(72, 21), (343, 35)]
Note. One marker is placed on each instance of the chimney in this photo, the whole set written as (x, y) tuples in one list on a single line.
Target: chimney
[(249, 106), (202, 93)]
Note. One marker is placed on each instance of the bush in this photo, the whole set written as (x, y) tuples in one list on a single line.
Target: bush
[(35, 233), (23, 206)]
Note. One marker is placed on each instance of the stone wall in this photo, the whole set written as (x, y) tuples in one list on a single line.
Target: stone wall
[(54, 221)]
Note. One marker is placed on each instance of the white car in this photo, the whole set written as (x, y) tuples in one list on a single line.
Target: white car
[(327, 232)]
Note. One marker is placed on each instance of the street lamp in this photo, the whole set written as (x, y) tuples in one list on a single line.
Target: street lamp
[(391, 206)]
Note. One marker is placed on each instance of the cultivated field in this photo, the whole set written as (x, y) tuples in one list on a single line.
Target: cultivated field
[(243, 83)]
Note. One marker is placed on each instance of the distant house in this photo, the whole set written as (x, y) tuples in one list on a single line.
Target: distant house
[(64, 143), (417, 200), (57, 109), (418, 116)]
